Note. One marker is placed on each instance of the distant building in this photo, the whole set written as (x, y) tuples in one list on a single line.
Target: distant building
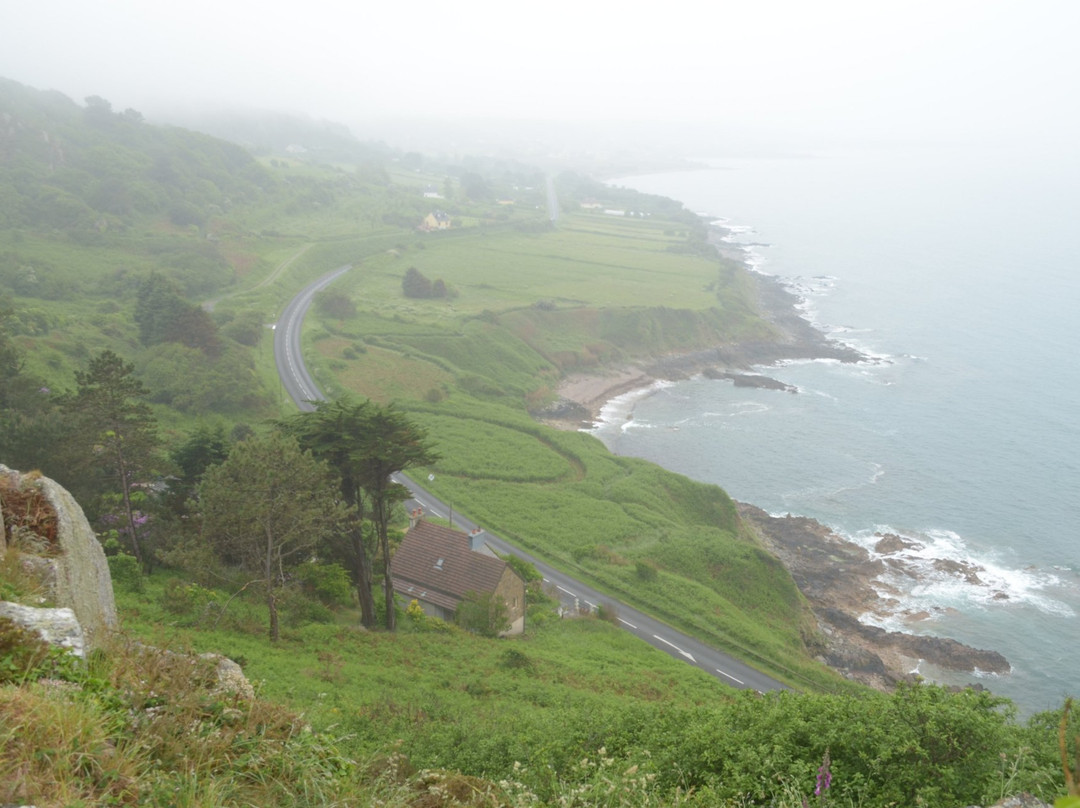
[(436, 220), (437, 566), (430, 192)]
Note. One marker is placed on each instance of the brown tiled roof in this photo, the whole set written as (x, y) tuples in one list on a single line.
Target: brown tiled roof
[(435, 564)]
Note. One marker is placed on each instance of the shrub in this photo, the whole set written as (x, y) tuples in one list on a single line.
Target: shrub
[(514, 659), (183, 598), (415, 613), (483, 613), (607, 613), (646, 571), (126, 572), (528, 572), (335, 304), (300, 609), (329, 583), (22, 652)]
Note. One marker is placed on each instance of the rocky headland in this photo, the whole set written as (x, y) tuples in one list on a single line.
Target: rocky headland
[(842, 582)]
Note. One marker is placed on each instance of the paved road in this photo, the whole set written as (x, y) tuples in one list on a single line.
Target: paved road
[(302, 389), (290, 363)]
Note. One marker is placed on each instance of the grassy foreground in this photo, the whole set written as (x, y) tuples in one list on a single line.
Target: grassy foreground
[(572, 713)]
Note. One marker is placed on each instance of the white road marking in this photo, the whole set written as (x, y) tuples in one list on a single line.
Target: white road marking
[(677, 648), (729, 676), (631, 625)]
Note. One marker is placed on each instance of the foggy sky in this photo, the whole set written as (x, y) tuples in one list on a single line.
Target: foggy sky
[(922, 69)]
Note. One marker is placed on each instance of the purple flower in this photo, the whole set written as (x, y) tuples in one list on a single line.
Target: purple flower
[(824, 776)]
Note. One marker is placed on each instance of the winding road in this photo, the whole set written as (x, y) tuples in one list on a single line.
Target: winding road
[(296, 380)]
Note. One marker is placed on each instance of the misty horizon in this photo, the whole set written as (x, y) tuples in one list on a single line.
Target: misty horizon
[(776, 78)]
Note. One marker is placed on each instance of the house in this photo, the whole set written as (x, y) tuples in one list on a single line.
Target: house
[(437, 566), (436, 220)]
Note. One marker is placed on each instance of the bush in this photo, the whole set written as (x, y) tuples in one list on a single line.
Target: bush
[(300, 609), (126, 572), (183, 598), (514, 659), (608, 613), (483, 613), (329, 583), (22, 652), (335, 304), (646, 571), (528, 572)]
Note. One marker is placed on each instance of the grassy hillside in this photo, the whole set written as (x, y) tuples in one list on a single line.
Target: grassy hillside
[(574, 712)]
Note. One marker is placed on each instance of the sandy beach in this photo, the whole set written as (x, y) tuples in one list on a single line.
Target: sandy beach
[(591, 391)]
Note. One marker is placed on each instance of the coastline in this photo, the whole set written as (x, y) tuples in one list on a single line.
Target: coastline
[(839, 579), (582, 396)]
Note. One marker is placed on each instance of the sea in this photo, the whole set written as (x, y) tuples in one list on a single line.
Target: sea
[(956, 271)]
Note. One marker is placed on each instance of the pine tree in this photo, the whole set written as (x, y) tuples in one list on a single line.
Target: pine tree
[(366, 444), (115, 429)]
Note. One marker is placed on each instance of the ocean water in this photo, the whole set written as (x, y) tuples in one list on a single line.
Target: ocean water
[(957, 273)]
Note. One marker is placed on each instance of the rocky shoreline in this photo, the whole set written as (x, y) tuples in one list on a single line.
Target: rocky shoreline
[(840, 579)]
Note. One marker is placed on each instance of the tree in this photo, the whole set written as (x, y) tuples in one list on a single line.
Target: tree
[(334, 432), (366, 444), (206, 446), (416, 284), (266, 507), (192, 326), (30, 428), (391, 444), (475, 187), (163, 315), (115, 428), (336, 304), (157, 304)]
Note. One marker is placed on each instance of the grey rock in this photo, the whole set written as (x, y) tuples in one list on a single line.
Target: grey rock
[(80, 573), (1024, 800), (230, 677), (57, 627)]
